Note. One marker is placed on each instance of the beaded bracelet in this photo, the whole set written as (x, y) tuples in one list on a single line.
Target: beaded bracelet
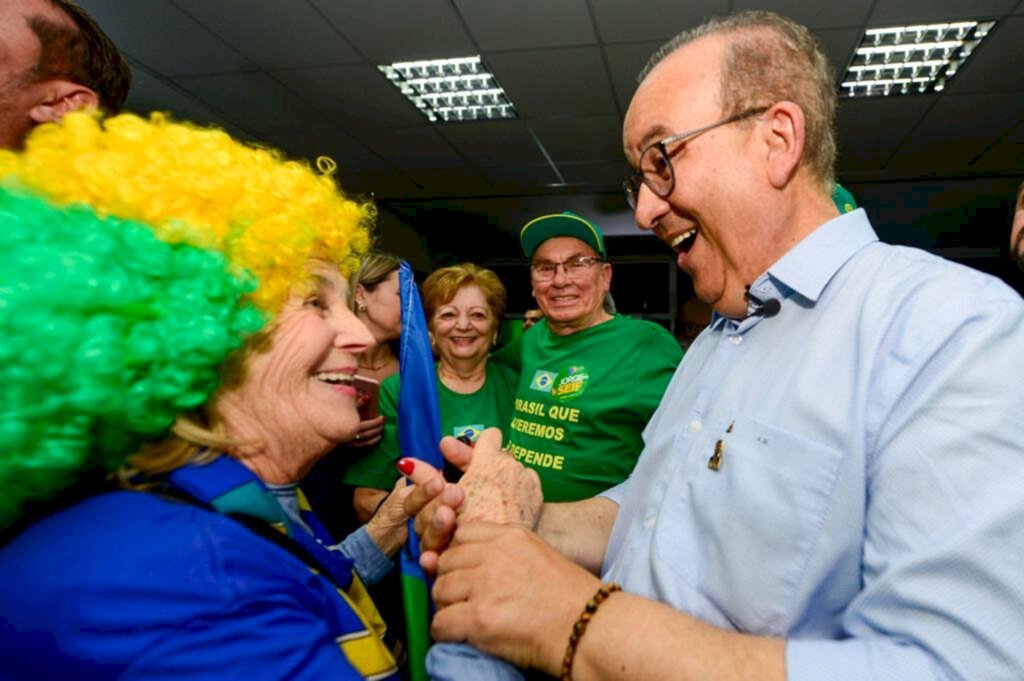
[(580, 627)]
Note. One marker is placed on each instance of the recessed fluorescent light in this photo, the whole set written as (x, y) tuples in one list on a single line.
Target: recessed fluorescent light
[(903, 60), (458, 89)]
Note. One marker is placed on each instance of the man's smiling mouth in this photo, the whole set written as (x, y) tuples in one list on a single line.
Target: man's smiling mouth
[(684, 242)]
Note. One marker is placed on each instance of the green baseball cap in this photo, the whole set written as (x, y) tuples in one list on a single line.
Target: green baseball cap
[(843, 199), (539, 230)]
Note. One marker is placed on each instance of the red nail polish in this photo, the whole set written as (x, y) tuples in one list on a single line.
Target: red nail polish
[(405, 466)]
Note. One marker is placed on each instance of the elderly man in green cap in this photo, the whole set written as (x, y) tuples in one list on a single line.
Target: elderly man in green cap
[(590, 380)]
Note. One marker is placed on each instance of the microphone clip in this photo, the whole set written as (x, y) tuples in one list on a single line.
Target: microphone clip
[(764, 308)]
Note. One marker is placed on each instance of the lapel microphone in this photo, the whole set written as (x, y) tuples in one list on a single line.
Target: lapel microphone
[(765, 308)]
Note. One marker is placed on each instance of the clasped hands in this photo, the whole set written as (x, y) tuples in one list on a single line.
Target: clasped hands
[(498, 586)]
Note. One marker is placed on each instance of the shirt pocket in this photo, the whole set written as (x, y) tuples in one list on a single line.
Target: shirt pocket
[(755, 523)]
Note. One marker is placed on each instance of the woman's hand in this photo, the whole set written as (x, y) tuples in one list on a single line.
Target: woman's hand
[(369, 433), (388, 527), (495, 488)]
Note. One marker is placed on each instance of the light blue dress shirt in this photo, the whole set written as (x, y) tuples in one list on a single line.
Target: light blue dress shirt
[(869, 500)]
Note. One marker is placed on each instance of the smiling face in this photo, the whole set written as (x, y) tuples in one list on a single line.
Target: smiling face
[(571, 305), (464, 328), (1017, 230), (296, 400), (711, 218)]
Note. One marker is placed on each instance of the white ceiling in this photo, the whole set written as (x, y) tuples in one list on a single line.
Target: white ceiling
[(301, 75)]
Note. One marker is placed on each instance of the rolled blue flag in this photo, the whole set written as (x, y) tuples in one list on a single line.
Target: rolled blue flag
[(419, 436)]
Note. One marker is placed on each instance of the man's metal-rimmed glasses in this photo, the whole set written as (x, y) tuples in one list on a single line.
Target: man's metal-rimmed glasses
[(574, 268), (655, 167)]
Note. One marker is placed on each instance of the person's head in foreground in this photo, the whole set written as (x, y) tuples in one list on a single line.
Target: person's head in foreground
[(176, 316), (54, 59), (568, 270), (734, 151)]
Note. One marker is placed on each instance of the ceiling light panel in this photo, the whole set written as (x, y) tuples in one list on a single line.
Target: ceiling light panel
[(460, 89), (904, 60)]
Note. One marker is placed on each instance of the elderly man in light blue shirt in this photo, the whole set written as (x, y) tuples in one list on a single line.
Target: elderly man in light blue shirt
[(833, 484)]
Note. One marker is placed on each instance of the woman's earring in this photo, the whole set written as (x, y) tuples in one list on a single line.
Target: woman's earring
[(360, 307)]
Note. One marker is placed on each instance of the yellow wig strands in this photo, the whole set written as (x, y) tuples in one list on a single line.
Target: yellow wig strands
[(106, 334), (199, 186)]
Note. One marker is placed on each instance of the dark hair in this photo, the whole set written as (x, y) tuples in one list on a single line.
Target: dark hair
[(85, 55)]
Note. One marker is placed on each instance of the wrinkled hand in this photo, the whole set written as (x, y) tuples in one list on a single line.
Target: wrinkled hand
[(495, 488), (388, 527), (369, 433), (505, 591)]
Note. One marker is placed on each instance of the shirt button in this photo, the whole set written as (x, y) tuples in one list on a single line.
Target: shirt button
[(695, 426), (649, 522), (736, 339)]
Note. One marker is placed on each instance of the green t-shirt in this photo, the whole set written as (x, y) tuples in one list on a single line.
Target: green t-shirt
[(488, 407), (584, 399)]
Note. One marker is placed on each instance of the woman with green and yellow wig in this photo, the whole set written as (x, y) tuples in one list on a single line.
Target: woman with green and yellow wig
[(176, 352)]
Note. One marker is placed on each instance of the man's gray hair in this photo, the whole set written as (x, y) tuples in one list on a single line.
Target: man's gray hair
[(771, 59)]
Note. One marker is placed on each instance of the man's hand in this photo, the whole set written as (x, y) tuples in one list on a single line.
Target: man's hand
[(495, 488), (507, 592)]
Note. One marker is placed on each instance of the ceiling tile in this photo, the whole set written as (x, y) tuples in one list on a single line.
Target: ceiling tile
[(511, 177), (890, 12), (161, 36), (274, 33), (256, 100), (551, 82), (525, 24), (956, 130), (447, 182), (152, 93), (625, 62), (576, 139), (815, 14), (348, 153), (870, 129), (398, 30), (381, 184), (604, 176), (839, 45), (993, 68), (658, 20), (355, 94), (415, 149), (488, 143)]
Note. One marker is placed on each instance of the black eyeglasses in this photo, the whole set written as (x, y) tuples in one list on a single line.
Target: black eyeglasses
[(655, 167)]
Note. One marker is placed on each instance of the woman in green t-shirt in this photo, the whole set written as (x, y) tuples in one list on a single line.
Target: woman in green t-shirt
[(464, 305)]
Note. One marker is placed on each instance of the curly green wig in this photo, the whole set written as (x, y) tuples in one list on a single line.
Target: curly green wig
[(135, 256), (106, 334)]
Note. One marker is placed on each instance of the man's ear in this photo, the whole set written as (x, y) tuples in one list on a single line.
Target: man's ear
[(785, 136), (61, 97)]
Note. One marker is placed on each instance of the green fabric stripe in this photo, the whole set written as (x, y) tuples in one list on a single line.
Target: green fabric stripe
[(417, 625)]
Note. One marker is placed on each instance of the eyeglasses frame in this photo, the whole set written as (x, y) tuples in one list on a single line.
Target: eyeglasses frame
[(592, 260), (637, 178)]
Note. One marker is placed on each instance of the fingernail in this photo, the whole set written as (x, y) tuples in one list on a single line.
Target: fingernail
[(437, 522), (405, 466)]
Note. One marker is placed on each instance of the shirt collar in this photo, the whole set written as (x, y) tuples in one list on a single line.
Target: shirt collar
[(810, 265), (807, 268)]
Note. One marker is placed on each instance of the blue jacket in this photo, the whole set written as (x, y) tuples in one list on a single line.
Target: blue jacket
[(135, 585)]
